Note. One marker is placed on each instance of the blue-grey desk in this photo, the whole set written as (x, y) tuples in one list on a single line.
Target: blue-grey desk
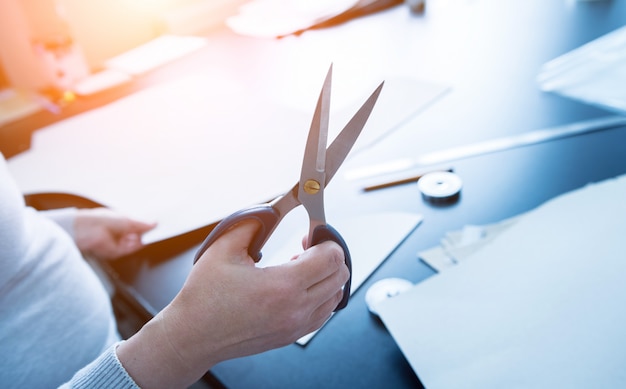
[(491, 60), (489, 52)]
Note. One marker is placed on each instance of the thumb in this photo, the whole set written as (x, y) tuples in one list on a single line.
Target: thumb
[(233, 244)]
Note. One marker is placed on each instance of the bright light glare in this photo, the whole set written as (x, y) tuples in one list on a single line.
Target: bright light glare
[(149, 5)]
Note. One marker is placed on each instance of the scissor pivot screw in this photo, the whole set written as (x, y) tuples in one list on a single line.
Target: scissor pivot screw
[(311, 187)]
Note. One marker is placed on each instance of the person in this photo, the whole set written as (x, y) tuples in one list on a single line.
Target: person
[(56, 323)]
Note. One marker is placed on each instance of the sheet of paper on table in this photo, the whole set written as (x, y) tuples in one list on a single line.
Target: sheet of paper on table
[(157, 52), (190, 152), (540, 306)]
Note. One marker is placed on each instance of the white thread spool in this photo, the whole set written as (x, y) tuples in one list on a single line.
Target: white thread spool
[(383, 290), (440, 187)]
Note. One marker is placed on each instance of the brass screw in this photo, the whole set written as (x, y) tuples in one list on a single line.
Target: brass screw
[(311, 187)]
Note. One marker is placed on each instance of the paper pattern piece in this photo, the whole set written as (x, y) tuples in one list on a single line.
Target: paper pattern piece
[(593, 73), (541, 306), (456, 246), (190, 152)]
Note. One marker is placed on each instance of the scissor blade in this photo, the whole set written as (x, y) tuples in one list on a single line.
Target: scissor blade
[(314, 161), (341, 146), (313, 175)]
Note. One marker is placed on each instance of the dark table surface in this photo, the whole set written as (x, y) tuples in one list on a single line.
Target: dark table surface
[(354, 349), (494, 94)]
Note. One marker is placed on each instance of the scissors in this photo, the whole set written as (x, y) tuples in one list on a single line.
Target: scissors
[(318, 168)]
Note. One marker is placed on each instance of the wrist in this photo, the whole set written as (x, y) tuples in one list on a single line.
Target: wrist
[(153, 361)]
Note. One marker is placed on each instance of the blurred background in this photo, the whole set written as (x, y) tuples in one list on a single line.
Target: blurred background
[(55, 42)]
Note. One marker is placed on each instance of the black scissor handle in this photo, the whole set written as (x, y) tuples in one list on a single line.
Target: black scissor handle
[(267, 217), (325, 232)]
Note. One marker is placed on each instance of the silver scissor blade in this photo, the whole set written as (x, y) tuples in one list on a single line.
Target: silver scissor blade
[(313, 175), (315, 151), (341, 146)]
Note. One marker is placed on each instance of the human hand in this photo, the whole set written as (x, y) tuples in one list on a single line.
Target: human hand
[(102, 233), (230, 308)]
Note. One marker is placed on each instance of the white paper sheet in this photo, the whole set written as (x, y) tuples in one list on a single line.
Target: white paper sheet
[(274, 18), (541, 306), (191, 152), (155, 53)]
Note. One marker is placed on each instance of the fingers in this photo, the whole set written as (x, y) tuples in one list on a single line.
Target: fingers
[(126, 233), (317, 278), (318, 263), (128, 244), (115, 222), (122, 225), (325, 311), (129, 234), (140, 227), (106, 234)]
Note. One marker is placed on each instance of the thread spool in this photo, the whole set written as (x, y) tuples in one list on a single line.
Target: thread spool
[(440, 187), (383, 290)]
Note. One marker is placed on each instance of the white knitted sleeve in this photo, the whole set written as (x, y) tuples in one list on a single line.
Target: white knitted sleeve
[(104, 372)]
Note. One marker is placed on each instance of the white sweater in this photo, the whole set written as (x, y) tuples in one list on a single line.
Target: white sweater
[(55, 315)]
